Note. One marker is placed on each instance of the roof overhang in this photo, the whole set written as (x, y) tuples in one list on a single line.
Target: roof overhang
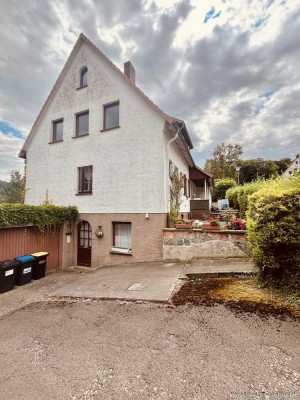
[(198, 174), (175, 128)]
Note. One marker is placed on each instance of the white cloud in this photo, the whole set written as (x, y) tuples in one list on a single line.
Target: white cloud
[(210, 74)]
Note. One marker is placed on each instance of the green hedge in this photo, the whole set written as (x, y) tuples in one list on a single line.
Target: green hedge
[(238, 196), (273, 223), (43, 217), (232, 196), (221, 187), (245, 191)]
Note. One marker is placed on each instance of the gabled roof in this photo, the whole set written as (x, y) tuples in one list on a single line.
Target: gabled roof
[(83, 38)]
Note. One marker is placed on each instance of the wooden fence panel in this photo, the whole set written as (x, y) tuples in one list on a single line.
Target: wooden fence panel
[(15, 242)]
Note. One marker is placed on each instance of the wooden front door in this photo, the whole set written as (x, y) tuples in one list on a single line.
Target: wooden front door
[(84, 252)]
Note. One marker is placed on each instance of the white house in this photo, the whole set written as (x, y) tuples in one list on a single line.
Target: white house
[(101, 144), (293, 168)]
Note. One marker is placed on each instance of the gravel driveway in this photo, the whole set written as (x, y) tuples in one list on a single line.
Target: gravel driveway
[(118, 350)]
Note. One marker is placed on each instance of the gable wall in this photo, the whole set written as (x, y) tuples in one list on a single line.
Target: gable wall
[(127, 162), (294, 165)]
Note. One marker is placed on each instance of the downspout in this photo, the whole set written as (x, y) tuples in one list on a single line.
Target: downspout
[(167, 167)]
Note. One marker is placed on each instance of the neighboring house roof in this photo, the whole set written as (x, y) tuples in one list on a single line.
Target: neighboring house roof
[(184, 135)]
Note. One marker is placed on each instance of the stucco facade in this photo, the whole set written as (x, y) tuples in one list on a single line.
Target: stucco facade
[(130, 163)]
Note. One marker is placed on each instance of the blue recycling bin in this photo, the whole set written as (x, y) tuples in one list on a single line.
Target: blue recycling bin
[(24, 270)]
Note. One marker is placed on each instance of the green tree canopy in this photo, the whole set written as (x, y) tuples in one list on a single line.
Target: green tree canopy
[(14, 190), (283, 164), (257, 168), (3, 185), (225, 159)]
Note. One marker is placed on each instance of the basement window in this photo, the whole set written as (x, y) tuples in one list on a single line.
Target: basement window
[(122, 241)]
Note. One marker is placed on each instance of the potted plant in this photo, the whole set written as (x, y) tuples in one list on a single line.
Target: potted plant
[(197, 224), (237, 224), (183, 223), (213, 224)]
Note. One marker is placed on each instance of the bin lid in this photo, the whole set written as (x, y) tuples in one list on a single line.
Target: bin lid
[(8, 264), (40, 254), (24, 259)]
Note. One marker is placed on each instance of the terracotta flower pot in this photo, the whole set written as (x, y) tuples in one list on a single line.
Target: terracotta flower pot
[(209, 227), (183, 226)]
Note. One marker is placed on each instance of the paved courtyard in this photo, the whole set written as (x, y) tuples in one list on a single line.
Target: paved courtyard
[(152, 281), (93, 349), (82, 348)]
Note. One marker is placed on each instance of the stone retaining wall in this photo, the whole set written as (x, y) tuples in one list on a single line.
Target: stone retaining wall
[(188, 244)]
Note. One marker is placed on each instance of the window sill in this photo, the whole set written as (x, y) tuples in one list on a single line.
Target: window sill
[(81, 87), (83, 194), (76, 137), (110, 129), (119, 253), (56, 141)]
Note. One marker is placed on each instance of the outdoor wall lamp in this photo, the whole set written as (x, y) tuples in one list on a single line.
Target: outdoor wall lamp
[(147, 216), (99, 232), (68, 233)]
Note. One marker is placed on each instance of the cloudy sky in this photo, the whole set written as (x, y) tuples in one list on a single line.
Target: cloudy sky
[(229, 68)]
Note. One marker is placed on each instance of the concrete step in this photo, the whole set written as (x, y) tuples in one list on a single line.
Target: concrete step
[(209, 267)]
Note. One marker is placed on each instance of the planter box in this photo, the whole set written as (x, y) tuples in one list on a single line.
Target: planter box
[(211, 227), (183, 226)]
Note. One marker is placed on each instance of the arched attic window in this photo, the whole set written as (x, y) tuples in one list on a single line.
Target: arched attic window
[(83, 79)]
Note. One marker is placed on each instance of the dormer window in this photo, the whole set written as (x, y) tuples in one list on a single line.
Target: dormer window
[(83, 81)]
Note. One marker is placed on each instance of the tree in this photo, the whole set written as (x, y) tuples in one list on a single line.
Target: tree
[(283, 164), (3, 185), (225, 159), (14, 190), (250, 170)]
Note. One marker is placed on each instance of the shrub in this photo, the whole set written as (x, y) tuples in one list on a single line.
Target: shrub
[(222, 185), (232, 196), (43, 217), (245, 191), (273, 223)]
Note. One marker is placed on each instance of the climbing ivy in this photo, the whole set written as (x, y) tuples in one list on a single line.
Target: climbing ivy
[(45, 218)]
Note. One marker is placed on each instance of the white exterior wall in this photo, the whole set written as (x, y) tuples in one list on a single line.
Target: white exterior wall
[(290, 171), (127, 162), (173, 154)]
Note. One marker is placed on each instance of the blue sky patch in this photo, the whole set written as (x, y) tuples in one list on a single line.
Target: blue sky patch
[(8, 129), (256, 109), (269, 3), (261, 21), (268, 94), (211, 14)]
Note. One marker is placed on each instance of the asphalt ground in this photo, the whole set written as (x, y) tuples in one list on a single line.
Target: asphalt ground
[(104, 349)]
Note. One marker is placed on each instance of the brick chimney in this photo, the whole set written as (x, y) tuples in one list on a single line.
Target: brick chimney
[(129, 71)]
